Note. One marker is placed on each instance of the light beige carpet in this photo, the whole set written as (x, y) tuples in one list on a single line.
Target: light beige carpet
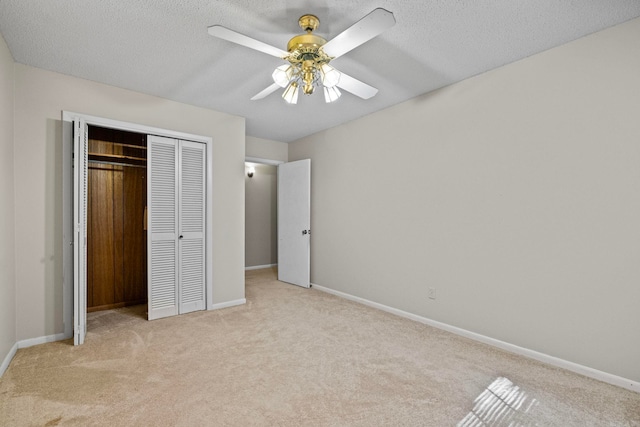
[(293, 357)]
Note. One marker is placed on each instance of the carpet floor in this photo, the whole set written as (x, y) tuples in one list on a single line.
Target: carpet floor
[(293, 357)]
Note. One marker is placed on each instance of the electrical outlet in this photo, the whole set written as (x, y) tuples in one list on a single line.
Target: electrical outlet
[(432, 293)]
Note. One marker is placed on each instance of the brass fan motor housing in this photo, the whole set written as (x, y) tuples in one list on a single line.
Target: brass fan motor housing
[(305, 42)]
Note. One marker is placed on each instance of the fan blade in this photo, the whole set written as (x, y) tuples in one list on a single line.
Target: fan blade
[(362, 31), (356, 87), (268, 91), (235, 37)]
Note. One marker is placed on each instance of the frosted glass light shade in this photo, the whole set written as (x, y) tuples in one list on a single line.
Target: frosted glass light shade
[(331, 94), (330, 76), (282, 75), (290, 94)]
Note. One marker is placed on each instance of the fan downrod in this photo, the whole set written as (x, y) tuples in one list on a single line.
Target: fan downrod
[(308, 23), (307, 42)]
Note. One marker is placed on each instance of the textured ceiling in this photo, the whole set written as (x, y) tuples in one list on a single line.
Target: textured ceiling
[(162, 48)]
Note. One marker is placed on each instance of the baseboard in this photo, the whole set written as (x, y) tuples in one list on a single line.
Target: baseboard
[(8, 358), (42, 340), (532, 354), (29, 343), (227, 304), (260, 267)]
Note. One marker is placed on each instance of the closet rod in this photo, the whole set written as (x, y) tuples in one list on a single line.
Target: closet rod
[(117, 164), (116, 156), (121, 144)]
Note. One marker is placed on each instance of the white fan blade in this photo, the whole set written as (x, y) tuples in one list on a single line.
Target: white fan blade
[(268, 91), (362, 31), (235, 37), (356, 87)]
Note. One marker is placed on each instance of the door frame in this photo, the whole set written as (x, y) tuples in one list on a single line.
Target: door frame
[(277, 163), (262, 161), (67, 195)]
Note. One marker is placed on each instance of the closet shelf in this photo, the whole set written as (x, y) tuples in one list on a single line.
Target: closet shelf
[(122, 144)]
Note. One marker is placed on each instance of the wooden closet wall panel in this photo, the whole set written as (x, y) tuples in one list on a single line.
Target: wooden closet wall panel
[(90, 255), (118, 234), (102, 236), (135, 237)]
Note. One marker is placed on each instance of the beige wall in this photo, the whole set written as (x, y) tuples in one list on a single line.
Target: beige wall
[(266, 149), (516, 194), (7, 238), (261, 219), (40, 98)]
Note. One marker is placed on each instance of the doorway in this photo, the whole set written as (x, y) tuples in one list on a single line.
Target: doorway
[(261, 216), (293, 190), (261, 212), (116, 219)]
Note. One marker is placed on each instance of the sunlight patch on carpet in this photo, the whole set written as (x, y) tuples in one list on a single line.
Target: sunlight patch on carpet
[(501, 404)]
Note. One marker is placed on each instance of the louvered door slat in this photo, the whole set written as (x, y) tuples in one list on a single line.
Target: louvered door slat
[(163, 188), (192, 267), (163, 273)]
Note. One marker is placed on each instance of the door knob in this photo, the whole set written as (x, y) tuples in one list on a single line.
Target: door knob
[(181, 236)]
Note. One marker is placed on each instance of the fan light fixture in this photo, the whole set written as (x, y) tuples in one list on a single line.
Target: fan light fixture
[(308, 57), (308, 65), (290, 94)]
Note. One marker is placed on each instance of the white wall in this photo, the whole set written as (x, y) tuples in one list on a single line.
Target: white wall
[(7, 237), (40, 97), (516, 194)]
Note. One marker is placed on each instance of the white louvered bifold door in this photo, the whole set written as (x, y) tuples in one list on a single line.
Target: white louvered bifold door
[(191, 216), (176, 226), (80, 152), (162, 226)]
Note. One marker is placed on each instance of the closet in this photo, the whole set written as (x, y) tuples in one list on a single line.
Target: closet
[(141, 218), (116, 226)]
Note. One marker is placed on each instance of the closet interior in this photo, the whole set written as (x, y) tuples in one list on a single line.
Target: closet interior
[(116, 219)]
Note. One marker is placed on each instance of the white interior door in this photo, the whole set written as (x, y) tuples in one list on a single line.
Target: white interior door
[(191, 242), (162, 227), (294, 222), (80, 141)]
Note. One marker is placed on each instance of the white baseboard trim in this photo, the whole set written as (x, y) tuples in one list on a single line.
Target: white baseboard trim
[(29, 343), (8, 358), (42, 340), (227, 304), (532, 354), (259, 267)]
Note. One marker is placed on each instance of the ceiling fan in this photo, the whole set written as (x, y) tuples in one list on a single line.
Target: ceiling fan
[(308, 57)]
